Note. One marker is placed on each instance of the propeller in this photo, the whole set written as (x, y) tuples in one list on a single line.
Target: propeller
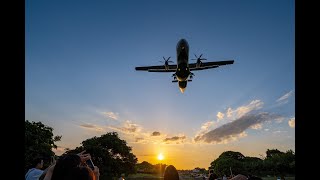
[(166, 61), (199, 59)]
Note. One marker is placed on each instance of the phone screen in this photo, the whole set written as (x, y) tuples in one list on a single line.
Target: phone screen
[(90, 164)]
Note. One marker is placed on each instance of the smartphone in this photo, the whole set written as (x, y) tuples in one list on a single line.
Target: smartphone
[(90, 164)]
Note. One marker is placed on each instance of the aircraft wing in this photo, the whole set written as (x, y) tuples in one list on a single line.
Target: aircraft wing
[(171, 68), (209, 65)]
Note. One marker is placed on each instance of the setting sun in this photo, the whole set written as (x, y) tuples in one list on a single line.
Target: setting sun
[(160, 157)]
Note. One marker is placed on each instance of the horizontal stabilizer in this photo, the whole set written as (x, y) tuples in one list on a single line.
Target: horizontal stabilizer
[(189, 80), (175, 81)]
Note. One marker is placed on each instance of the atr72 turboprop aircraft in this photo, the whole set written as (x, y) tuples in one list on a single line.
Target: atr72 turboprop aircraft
[(182, 70)]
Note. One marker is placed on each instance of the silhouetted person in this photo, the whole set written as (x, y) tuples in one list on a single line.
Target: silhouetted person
[(171, 173), (212, 175), (81, 173), (64, 165), (70, 166), (36, 171)]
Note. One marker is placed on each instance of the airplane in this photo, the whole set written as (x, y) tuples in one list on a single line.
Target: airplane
[(182, 70)]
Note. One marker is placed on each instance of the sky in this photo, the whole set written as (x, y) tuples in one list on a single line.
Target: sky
[(80, 78)]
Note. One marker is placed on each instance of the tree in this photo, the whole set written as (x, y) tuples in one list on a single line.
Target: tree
[(227, 160), (110, 154), (145, 167), (279, 162), (233, 155), (273, 152), (39, 141)]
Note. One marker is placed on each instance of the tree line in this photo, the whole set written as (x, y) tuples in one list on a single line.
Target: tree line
[(274, 164), (114, 157)]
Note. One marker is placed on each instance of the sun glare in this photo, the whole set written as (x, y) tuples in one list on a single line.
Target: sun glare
[(160, 157)]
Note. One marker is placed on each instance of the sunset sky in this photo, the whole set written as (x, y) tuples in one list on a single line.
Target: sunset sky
[(80, 78)]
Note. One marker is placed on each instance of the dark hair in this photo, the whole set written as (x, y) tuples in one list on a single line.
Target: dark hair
[(36, 161), (171, 173), (64, 165), (80, 173)]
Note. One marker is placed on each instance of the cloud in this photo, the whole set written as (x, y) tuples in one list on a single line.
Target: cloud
[(91, 126), (128, 128), (111, 115), (176, 139), (257, 126), (253, 105), (292, 122), (220, 115), (234, 129), (139, 139), (205, 126), (229, 113), (279, 119), (242, 110), (284, 98), (155, 133)]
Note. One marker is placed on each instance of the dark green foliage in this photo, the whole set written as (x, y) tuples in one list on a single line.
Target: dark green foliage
[(110, 154), (39, 141), (275, 163)]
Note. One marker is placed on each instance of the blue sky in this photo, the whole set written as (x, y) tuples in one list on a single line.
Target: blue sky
[(80, 79)]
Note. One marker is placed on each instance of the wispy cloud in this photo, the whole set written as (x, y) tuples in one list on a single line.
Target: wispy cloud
[(292, 122), (127, 127), (235, 129), (242, 110), (91, 126), (175, 139), (284, 98), (139, 139), (257, 126), (135, 133), (155, 133), (111, 115)]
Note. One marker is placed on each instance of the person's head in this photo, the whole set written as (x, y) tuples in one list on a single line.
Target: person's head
[(64, 165), (37, 163), (80, 173), (171, 173)]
